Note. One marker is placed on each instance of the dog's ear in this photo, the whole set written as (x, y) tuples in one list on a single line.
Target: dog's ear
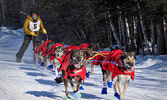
[(125, 53), (133, 53)]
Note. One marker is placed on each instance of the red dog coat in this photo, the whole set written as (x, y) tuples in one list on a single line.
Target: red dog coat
[(66, 64), (52, 53), (44, 48), (114, 56), (37, 49)]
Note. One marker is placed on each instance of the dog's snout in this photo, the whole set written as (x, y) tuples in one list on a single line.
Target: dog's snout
[(58, 55), (131, 64)]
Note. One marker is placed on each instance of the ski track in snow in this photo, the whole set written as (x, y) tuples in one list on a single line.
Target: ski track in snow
[(28, 81)]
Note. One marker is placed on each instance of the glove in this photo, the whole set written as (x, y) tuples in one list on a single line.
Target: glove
[(44, 31), (33, 34)]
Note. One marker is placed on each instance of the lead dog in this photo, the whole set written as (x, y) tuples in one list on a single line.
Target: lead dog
[(120, 65), (72, 69)]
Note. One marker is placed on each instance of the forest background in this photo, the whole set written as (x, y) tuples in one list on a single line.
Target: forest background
[(132, 25)]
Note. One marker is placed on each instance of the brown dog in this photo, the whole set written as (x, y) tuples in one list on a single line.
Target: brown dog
[(122, 67), (44, 52), (73, 69)]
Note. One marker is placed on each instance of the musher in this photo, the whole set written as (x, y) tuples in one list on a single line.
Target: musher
[(32, 25)]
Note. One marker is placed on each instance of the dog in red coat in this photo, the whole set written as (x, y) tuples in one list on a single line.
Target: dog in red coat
[(72, 68), (56, 55), (120, 64), (42, 51), (89, 50)]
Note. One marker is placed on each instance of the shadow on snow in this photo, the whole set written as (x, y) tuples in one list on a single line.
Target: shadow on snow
[(90, 96), (35, 74), (46, 82), (43, 94), (30, 69)]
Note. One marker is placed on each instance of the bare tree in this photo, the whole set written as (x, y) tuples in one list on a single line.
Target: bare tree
[(152, 38), (142, 25)]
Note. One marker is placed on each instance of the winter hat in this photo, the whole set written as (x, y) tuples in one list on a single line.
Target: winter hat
[(34, 14)]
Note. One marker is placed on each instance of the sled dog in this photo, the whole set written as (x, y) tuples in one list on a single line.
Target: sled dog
[(42, 53), (45, 55), (90, 50), (56, 55), (124, 70), (72, 69), (37, 54)]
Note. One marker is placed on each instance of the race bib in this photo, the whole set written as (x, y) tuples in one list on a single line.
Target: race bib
[(34, 26)]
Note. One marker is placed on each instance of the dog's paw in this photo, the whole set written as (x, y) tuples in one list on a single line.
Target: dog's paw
[(50, 66), (76, 95), (81, 87), (58, 80), (104, 90), (109, 84), (87, 74), (69, 98), (42, 63), (117, 95)]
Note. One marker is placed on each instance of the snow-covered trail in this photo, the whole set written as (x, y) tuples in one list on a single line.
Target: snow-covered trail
[(28, 81)]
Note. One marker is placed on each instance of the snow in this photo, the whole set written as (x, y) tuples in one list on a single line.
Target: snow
[(28, 81)]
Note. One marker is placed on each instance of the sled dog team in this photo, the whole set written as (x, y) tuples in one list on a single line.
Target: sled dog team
[(73, 61)]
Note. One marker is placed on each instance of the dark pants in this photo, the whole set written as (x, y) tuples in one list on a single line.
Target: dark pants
[(27, 40)]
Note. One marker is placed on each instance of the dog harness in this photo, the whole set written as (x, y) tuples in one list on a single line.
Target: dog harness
[(115, 56), (99, 57), (85, 48), (52, 53), (44, 48), (66, 57), (37, 49), (77, 73)]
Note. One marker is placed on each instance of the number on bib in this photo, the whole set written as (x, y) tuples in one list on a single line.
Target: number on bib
[(35, 26)]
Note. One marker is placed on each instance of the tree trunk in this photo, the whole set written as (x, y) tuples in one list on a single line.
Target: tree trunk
[(119, 27), (165, 34), (3, 3), (139, 40), (115, 35), (142, 26), (123, 33), (127, 33), (134, 31), (114, 32), (152, 38), (158, 39)]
